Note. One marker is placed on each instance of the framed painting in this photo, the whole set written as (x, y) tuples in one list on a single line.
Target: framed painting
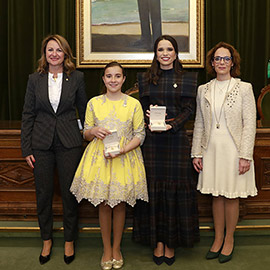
[(125, 30)]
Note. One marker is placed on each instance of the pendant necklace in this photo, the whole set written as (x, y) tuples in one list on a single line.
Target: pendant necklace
[(218, 118), (221, 89)]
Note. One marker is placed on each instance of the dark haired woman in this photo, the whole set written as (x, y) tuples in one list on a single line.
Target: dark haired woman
[(50, 136), (170, 219), (112, 181), (223, 141)]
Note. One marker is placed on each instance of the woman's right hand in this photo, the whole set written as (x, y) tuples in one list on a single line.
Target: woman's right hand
[(168, 127), (30, 161), (100, 132), (147, 113), (197, 164)]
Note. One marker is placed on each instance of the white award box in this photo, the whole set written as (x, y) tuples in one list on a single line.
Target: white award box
[(157, 118), (111, 143)]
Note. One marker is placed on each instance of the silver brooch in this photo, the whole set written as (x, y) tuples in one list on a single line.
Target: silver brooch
[(175, 85)]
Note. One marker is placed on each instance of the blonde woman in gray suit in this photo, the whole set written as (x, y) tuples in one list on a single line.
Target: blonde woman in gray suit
[(223, 141), (50, 136)]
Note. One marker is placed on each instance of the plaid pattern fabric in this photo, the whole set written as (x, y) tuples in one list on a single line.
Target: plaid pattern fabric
[(171, 216)]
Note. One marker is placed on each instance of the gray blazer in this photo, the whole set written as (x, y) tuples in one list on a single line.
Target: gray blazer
[(40, 122)]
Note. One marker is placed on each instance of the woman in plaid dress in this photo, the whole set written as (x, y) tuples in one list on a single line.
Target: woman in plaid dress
[(170, 219)]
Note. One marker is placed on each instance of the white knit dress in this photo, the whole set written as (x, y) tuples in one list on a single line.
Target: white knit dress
[(220, 175)]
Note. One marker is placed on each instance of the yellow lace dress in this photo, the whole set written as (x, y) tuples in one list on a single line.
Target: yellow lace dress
[(121, 179)]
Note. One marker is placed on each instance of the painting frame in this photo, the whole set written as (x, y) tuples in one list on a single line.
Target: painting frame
[(85, 58)]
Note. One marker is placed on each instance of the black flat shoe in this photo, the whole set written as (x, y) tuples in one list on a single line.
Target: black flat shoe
[(70, 259), (45, 259), (169, 261), (158, 260)]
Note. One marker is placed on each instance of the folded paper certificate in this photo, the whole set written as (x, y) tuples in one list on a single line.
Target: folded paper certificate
[(157, 118), (111, 143)]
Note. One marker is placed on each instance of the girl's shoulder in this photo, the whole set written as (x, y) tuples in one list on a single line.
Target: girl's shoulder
[(96, 100), (132, 101)]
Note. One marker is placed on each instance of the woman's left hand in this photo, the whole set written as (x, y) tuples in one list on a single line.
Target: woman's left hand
[(244, 165), (168, 127)]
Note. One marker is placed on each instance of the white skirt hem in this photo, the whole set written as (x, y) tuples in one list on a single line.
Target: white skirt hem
[(228, 195)]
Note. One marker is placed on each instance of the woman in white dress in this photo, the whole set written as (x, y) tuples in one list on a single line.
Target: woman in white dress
[(223, 142)]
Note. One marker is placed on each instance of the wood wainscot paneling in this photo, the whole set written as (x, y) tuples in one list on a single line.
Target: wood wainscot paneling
[(17, 186), (17, 191), (259, 206)]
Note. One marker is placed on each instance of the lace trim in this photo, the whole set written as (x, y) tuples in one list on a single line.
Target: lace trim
[(97, 192), (229, 195)]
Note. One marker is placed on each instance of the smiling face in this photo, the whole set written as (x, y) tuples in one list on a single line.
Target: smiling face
[(54, 54), (165, 54), (223, 63), (113, 79)]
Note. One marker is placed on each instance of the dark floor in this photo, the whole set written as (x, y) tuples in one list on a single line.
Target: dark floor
[(20, 250)]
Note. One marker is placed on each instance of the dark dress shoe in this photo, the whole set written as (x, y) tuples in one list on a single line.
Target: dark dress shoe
[(158, 260), (225, 258), (45, 259), (169, 261), (213, 255), (70, 259)]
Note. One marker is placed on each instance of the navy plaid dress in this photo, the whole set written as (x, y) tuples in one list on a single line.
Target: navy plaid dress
[(171, 216)]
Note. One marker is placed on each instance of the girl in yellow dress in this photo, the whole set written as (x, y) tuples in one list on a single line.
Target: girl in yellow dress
[(112, 180)]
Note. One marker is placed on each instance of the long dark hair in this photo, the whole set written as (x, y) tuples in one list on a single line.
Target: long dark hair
[(155, 72)]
